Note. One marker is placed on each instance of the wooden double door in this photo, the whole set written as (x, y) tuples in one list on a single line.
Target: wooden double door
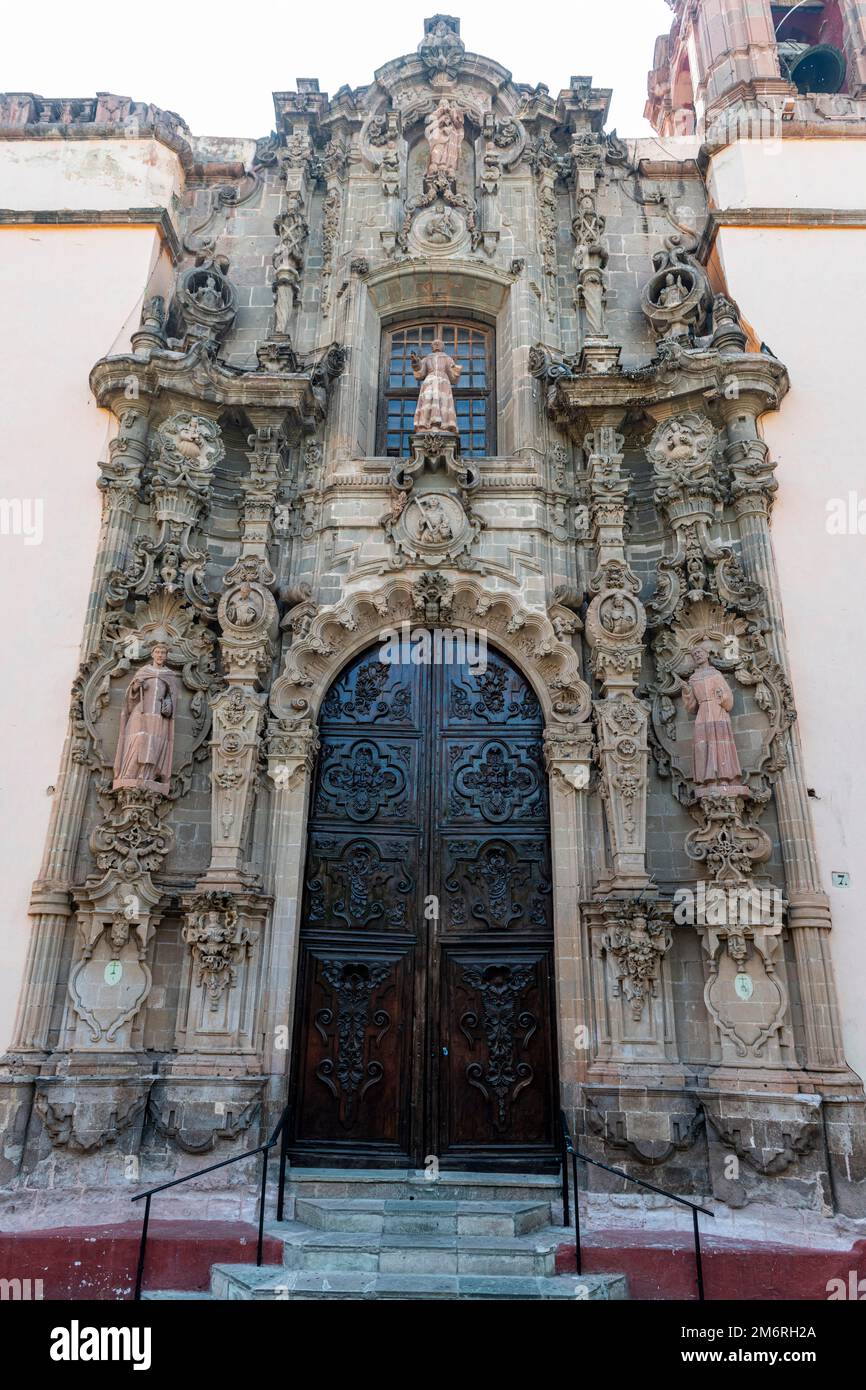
[(424, 1019)]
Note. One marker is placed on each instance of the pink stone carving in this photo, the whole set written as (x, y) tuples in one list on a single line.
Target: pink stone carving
[(708, 696), (145, 745), (444, 131), (436, 372)]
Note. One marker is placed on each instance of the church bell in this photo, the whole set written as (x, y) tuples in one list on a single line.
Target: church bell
[(813, 69)]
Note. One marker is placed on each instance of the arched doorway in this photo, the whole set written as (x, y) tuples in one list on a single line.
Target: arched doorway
[(424, 1017)]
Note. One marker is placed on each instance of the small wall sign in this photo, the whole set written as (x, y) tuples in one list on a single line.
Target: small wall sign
[(113, 972), (743, 985), (841, 880)]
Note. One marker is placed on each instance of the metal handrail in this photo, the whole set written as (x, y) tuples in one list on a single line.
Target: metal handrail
[(281, 1132), (568, 1148)]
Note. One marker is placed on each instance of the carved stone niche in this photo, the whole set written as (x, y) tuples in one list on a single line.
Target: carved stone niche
[(630, 939), (763, 693), (676, 298), (642, 1128), (102, 687), (221, 979), (205, 304), (431, 521), (431, 528), (777, 1142)]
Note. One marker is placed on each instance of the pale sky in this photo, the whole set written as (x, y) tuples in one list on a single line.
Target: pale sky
[(217, 63)]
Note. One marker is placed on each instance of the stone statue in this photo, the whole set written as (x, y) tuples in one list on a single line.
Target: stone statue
[(434, 525), (616, 615), (708, 695), (242, 609), (437, 372), (673, 294), (208, 295), (440, 228), (444, 131), (146, 741), (288, 261)]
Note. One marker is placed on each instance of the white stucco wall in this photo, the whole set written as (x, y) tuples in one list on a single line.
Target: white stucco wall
[(45, 175), (70, 294), (803, 291), (785, 173)]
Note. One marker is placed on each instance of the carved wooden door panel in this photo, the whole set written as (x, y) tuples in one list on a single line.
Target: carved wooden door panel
[(425, 987)]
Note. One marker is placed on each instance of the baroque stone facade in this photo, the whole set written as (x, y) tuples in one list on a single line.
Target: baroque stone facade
[(602, 516)]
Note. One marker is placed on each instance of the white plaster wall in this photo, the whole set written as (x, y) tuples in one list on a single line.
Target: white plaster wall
[(46, 175), (804, 292), (787, 173), (69, 296)]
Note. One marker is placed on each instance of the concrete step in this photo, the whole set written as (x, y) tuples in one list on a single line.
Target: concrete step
[(405, 1216), (232, 1282), (419, 1252), (397, 1184)]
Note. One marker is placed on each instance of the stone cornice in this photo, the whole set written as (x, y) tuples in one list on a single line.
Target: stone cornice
[(199, 376), (678, 379), (817, 219), (97, 217)]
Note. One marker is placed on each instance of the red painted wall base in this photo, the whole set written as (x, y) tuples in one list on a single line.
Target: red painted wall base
[(100, 1261), (749, 1271)]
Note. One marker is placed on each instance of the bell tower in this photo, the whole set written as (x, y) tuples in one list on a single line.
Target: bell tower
[(734, 55)]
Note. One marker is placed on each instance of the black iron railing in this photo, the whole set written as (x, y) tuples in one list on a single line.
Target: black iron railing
[(281, 1133), (568, 1149)]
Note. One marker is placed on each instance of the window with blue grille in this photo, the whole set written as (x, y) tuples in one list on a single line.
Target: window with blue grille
[(470, 344)]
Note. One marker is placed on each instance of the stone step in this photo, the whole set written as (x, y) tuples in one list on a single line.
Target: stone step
[(419, 1252), (175, 1295), (398, 1184), (232, 1282), (407, 1215)]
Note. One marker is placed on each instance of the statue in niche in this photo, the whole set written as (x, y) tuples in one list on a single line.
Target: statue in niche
[(673, 294), (616, 615), (444, 132), (242, 609), (145, 745), (209, 295), (708, 696), (434, 525), (437, 372)]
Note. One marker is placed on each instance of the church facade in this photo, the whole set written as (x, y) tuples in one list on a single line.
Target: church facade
[(433, 761)]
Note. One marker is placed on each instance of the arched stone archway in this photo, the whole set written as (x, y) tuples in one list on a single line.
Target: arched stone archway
[(538, 648)]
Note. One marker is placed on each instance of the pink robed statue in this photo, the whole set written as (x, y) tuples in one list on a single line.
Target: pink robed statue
[(708, 695), (437, 372), (146, 742)]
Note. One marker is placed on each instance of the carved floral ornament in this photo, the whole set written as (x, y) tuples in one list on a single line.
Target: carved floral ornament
[(325, 640), (218, 941), (637, 938)]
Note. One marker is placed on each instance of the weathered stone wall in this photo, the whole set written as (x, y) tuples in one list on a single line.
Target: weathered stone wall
[(620, 529)]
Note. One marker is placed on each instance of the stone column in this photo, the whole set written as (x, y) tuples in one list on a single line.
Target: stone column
[(291, 759), (753, 487), (51, 904), (568, 754)]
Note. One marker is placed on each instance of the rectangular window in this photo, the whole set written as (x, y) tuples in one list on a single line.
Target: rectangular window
[(471, 345)]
